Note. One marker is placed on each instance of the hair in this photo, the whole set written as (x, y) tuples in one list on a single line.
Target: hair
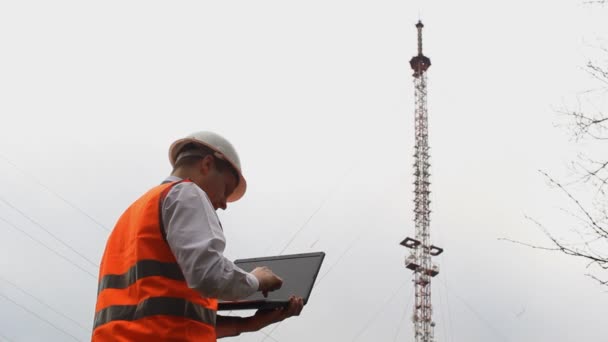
[(201, 152)]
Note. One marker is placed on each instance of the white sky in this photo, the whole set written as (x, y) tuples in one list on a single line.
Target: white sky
[(317, 97)]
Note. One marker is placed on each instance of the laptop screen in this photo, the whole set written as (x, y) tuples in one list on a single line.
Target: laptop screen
[(298, 271)]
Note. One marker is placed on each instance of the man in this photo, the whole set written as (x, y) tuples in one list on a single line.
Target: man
[(163, 268)]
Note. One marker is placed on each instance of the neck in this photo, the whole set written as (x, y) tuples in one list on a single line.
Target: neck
[(184, 174)]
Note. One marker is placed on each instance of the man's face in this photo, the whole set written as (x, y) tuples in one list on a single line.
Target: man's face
[(218, 185)]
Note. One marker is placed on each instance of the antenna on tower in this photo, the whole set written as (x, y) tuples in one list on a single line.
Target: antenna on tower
[(421, 249), (420, 63)]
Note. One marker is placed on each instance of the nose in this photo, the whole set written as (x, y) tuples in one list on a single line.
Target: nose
[(222, 205)]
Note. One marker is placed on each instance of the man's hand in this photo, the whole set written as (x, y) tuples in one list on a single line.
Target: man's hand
[(267, 317), (234, 326), (267, 279)]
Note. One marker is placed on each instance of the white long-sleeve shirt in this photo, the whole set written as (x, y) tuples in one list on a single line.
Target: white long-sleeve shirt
[(196, 238)]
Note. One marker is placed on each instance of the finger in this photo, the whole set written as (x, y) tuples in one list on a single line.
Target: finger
[(265, 293), (297, 306)]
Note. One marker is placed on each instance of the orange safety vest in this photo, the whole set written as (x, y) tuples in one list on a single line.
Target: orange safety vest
[(142, 294)]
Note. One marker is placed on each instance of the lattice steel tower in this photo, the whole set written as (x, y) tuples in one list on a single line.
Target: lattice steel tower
[(419, 260)]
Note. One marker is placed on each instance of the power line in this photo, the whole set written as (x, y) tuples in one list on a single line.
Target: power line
[(268, 335), (382, 308), (479, 316), (49, 248), (63, 199), (341, 256), (443, 314), (43, 303), (325, 199), (323, 276), (450, 330), (318, 282), (40, 317), (447, 300), (405, 309), (48, 232), (352, 243), (6, 338)]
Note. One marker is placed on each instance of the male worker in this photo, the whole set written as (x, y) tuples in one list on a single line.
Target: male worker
[(163, 268)]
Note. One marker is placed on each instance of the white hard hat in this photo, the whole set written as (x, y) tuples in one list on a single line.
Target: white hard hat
[(223, 150)]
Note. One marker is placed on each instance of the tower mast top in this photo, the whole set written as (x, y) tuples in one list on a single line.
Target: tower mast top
[(419, 26), (420, 63)]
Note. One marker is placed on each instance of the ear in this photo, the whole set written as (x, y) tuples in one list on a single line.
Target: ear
[(206, 164)]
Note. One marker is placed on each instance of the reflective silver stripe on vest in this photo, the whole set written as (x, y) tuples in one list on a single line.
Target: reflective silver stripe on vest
[(155, 306), (142, 269)]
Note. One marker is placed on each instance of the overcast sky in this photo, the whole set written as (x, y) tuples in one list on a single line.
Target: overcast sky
[(317, 97)]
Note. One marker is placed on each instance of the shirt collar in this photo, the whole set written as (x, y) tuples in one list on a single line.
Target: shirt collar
[(172, 179)]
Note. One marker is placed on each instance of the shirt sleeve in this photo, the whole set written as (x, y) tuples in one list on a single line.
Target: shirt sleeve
[(196, 238)]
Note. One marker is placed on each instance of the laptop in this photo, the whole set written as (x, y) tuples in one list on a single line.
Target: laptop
[(298, 271)]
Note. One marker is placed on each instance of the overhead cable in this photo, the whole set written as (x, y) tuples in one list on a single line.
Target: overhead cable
[(330, 268), (380, 310), (444, 321), (5, 338), (49, 248), (45, 304), (268, 335), (54, 193), (341, 256), (49, 232), (352, 243), (447, 299), (479, 316), (446, 324), (325, 199), (40, 317), (400, 323)]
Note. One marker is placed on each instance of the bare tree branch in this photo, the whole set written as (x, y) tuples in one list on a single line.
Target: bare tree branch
[(598, 72), (588, 237), (599, 229), (529, 245), (602, 282)]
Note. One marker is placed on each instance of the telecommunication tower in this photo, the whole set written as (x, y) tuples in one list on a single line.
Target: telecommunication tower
[(421, 250)]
